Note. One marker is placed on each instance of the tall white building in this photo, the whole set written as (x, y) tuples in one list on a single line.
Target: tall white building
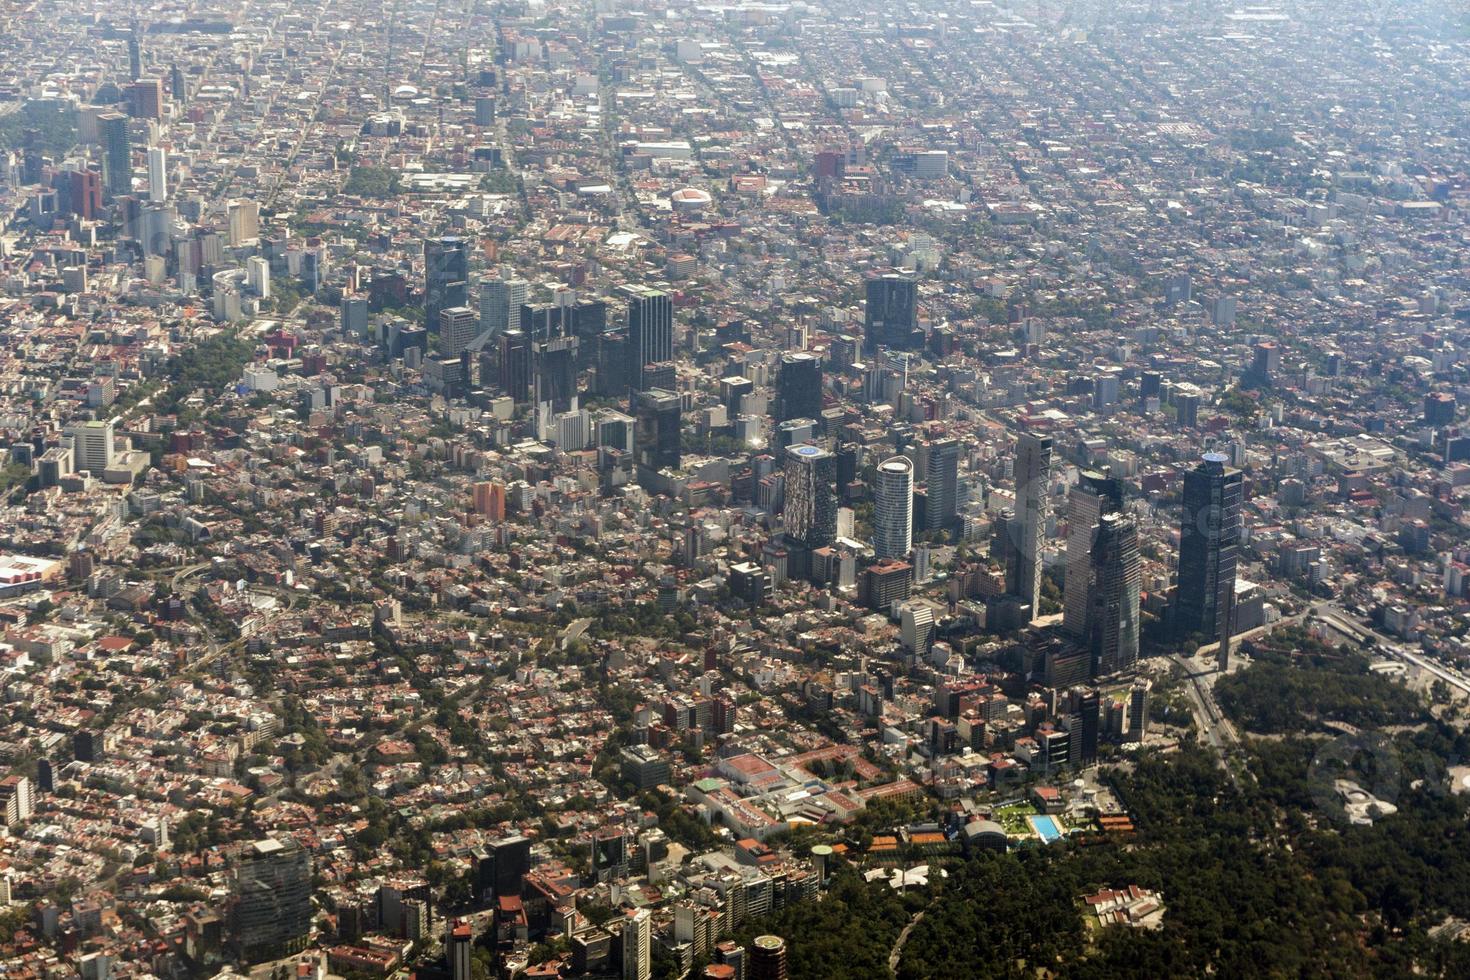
[(916, 626), (15, 799), (500, 304), (637, 946), (457, 327), (93, 446), (893, 508), (157, 173), (258, 276)]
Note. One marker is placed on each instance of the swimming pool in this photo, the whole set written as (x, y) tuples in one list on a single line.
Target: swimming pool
[(1049, 829)]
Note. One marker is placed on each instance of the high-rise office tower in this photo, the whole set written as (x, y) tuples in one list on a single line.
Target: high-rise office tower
[(843, 352), (117, 153), (244, 222), (1027, 532), (457, 327), (892, 315), (1095, 494), (179, 89), (500, 304), (515, 365), (810, 515), (1104, 578), (799, 387), (157, 173), (1209, 533), (893, 508), (1114, 601), (1084, 705), (135, 54), (650, 330), (656, 436), (555, 372), (145, 98), (1138, 709), (272, 910), (942, 479), (446, 276), (92, 443), (258, 276)]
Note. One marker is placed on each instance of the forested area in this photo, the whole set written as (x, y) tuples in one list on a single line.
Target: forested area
[(1260, 877)]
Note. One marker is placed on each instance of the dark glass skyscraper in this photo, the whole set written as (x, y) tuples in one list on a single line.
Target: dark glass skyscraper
[(446, 276), (656, 438), (892, 316), (1026, 533), (799, 387), (1209, 532), (117, 153), (650, 331)]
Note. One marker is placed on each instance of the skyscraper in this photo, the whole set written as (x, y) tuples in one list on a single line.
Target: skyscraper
[(650, 330), (500, 304), (117, 153), (656, 436), (515, 365), (446, 276), (1104, 579), (1028, 530), (799, 387), (157, 173), (1209, 532), (810, 515), (93, 447), (244, 219), (145, 98), (458, 326), (272, 911), (892, 315), (1094, 495), (942, 478), (893, 508)]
